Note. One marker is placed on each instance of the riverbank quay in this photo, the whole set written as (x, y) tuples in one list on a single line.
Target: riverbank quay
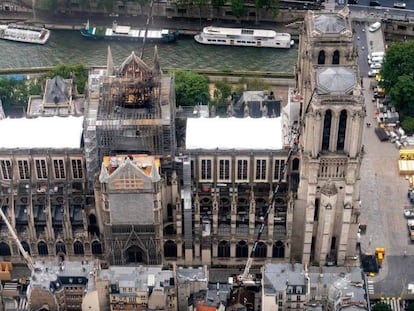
[(273, 78)]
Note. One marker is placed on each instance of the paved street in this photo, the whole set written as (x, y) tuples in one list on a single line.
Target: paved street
[(383, 195)]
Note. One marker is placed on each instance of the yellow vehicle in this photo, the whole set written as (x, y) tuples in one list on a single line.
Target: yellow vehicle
[(406, 154)]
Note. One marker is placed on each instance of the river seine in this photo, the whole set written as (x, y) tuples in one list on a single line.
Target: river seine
[(67, 46)]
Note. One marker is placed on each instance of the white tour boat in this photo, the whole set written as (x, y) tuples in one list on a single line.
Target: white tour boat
[(24, 33), (244, 37)]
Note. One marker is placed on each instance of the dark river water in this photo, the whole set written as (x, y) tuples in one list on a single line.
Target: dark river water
[(68, 46)]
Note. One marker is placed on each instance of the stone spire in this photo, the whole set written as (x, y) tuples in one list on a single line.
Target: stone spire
[(109, 63)]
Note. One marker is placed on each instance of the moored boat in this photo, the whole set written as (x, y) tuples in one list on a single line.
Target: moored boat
[(24, 33), (244, 37), (127, 33)]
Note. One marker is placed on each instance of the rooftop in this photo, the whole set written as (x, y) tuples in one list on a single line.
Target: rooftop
[(336, 79), (42, 132), (191, 274), (140, 277), (234, 133)]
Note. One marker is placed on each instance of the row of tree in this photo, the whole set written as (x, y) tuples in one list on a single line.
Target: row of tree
[(15, 91), (397, 79), (238, 7), (191, 88)]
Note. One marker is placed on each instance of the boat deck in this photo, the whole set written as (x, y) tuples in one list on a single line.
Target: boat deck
[(137, 33)]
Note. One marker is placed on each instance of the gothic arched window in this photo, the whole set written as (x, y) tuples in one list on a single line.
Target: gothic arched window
[(4, 249), (78, 248), (335, 58), (96, 248), (340, 144), (261, 250), (42, 249), (321, 57), (326, 130), (278, 250), (223, 249), (242, 249), (170, 249), (60, 247)]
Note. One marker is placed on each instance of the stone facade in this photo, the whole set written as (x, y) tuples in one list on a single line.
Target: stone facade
[(333, 114)]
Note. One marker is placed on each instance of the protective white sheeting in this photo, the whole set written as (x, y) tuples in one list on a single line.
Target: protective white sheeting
[(43, 132), (234, 133)]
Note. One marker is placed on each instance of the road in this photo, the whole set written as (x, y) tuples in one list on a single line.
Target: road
[(383, 195)]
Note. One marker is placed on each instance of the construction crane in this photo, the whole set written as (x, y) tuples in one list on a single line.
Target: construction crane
[(149, 17), (25, 254), (246, 273), (246, 277)]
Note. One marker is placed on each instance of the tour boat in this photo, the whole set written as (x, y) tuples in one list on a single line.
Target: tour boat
[(244, 37), (24, 33), (126, 33)]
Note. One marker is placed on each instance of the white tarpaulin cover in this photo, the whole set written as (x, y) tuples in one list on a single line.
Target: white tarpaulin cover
[(43, 132), (234, 133)]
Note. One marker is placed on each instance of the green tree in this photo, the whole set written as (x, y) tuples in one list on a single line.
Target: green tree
[(408, 125), (142, 4), (222, 91), (217, 4), (267, 5), (410, 307), (191, 88), (381, 306), (78, 72), (402, 93), (181, 4), (200, 5), (13, 92), (238, 8), (106, 5), (50, 5), (397, 74)]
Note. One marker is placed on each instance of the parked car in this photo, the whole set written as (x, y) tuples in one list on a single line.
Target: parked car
[(374, 3), (376, 59), (374, 27), (400, 5), (373, 72), (375, 66), (376, 54)]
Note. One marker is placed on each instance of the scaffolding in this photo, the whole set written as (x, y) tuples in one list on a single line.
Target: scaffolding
[(130, 111)]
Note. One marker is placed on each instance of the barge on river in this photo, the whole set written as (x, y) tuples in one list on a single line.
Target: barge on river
[(126, 33), (24, 33), (244, 37)]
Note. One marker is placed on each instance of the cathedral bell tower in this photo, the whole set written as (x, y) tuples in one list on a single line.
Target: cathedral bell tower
[(332, 113)]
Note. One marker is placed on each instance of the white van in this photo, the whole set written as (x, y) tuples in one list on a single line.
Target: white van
[(379, 54), (376, 59), (374, 27)]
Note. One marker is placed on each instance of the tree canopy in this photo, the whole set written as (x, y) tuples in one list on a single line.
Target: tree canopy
[(16, 92), (79, 72), (191, 88), (397, 74), (381, 306)]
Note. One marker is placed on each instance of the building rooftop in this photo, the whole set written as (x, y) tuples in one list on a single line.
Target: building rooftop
[(329, 24), (340, 285), (277, 277), (191, 274), (336, 79), (234, 133), (42, 132), (140, 277), (51, 275)]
